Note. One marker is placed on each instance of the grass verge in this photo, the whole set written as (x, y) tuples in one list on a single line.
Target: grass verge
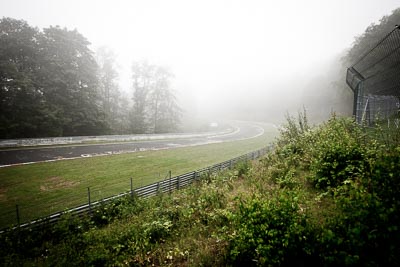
[(44, 188)]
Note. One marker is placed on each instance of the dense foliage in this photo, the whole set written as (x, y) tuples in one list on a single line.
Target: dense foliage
[(52, 84), (328, 91), (326, 196), (372, 36), (48, 82)]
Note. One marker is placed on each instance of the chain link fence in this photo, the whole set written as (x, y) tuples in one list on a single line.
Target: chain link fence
[(375, 81)]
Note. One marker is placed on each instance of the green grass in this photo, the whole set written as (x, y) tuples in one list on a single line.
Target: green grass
[(275, 211), (44, 188)]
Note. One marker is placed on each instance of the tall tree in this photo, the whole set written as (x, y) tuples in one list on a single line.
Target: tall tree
[(48, 83), (111, 97), (70, 82), (155, 108), (123, 125), (142, 76), (23, 110), (164, 108)]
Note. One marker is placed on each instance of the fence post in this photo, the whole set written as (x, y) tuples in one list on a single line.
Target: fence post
[(131, 187), (88, 190), (179, 181), (170, 182), (195, 176), (17, 211)]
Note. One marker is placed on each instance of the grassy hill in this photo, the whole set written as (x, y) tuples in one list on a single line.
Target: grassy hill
[(327, 195)]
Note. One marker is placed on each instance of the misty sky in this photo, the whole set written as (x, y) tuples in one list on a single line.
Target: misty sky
[(214, 48)]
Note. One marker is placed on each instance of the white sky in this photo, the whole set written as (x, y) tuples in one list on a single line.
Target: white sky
[(212, 47)]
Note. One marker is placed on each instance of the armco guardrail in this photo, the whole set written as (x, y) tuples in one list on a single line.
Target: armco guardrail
[(169, 184), (7, 143)]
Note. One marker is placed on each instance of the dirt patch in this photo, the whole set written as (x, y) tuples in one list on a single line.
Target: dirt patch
[(55, 183)]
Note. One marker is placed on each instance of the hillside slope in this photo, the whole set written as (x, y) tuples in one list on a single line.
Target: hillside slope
[(326, 196)]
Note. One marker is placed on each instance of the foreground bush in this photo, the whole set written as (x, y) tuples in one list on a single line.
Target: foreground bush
[(271, 232), (357, 172)]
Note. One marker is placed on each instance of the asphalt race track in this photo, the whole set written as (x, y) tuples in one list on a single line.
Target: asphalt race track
[(245, 130)]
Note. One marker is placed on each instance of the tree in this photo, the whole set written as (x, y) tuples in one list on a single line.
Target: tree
[(113, 104), (23, 110), (155, 108), (70, 82), (51, 85), (372, 35), (123, 114), (165, 111), (142, 74), (48, 83)]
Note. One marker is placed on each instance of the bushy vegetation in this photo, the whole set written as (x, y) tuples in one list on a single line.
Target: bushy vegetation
[(326, 196)]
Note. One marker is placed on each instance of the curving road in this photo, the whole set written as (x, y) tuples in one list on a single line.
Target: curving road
[(8, 157)]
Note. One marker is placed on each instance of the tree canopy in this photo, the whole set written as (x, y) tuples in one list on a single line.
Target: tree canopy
[(53, 84), (372, 35), (155, 107)]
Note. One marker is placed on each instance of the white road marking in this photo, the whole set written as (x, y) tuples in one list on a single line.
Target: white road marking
[(169, 146)]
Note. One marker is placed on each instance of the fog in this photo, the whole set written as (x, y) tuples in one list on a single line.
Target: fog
[(231, 59)]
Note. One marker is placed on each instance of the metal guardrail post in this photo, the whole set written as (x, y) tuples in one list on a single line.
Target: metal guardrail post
[(170, 182), (90, 207), (131, 187), (18, 218)]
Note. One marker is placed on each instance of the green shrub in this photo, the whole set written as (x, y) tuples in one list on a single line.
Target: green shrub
[(338, 154), (270, 232), (117, 208), (157, 231), (243, 168), (365, 229), (294, 130)]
